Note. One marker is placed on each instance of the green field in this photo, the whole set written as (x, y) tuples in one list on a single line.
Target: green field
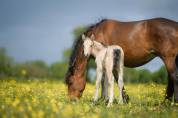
[(48, 98)]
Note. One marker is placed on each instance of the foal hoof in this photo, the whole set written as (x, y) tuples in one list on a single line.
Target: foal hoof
[(121, 102), (94, 102), (109, 105)]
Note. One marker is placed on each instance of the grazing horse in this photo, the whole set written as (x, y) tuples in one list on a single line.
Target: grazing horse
[(141, 41), (108, 59)]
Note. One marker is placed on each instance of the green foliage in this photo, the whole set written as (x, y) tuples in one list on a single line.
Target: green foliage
[(130, 75), (5, 63), (144, 76), (58, 70), (160, 76), (78, 31), (66, 54), (31, 69)]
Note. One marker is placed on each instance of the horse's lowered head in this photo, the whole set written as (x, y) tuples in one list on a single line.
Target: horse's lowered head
[(76, 85), (75, 76)]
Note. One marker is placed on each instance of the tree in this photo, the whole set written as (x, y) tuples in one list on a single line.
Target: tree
[(160, 76), (30, 69), (144, 76), (58, 70), (5, 63), (78, 31), (130, 75)]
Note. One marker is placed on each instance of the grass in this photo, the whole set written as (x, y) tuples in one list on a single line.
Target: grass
[(48, 98)]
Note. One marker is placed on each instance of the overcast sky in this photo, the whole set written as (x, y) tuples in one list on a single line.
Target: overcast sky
[(42, 29)]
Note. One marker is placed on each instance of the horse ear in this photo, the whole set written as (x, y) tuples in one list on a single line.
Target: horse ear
[(92, 37), (83, 37)]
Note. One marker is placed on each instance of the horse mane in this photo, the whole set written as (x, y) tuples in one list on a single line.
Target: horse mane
[(91, 28), (76, 46)]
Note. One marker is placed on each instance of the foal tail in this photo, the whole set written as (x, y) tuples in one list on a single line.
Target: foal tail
[(116, 59)]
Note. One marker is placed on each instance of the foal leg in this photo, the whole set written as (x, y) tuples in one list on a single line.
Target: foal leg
[(111, 87), (106, 87), (98, 81), (121, 85), (104, 84)]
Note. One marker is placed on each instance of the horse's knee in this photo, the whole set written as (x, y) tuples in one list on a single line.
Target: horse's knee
[(174, 76)]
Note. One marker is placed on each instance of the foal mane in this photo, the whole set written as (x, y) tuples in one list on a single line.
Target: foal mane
[(78, 44), (100, 44)]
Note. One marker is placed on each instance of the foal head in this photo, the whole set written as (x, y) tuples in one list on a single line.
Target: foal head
[(87, 44)]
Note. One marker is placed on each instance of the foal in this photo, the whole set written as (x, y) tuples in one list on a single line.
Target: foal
[(108, 60)]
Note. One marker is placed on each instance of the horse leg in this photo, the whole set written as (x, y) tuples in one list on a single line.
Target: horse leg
[(176, 81), (98, 81), (110, 78), (172, 87)]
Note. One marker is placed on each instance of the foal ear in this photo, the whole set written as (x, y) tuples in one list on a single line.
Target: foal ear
[(92, 37), (83, 36)]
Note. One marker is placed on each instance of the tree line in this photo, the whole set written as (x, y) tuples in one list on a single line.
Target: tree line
[(57, 70)]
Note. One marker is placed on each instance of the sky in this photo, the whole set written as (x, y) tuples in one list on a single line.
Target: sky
[(42, 29)]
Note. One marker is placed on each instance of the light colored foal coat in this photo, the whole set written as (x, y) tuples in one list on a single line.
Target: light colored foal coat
[(104, 58)]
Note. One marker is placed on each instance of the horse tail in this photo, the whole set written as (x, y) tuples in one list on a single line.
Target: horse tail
[(116, 59), (176, 61)]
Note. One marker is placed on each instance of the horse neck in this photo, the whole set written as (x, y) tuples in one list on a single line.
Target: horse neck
[(97, 48), (80, 64)]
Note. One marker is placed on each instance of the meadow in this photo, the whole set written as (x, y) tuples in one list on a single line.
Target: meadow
[(40, 98)]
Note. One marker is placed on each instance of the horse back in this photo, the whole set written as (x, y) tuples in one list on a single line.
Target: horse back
[(142, 40)]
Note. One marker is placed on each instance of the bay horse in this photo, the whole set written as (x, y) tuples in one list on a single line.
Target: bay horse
[(141, 41), (108, 59)]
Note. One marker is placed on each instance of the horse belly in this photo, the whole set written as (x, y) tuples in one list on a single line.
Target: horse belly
[(137, 58)]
